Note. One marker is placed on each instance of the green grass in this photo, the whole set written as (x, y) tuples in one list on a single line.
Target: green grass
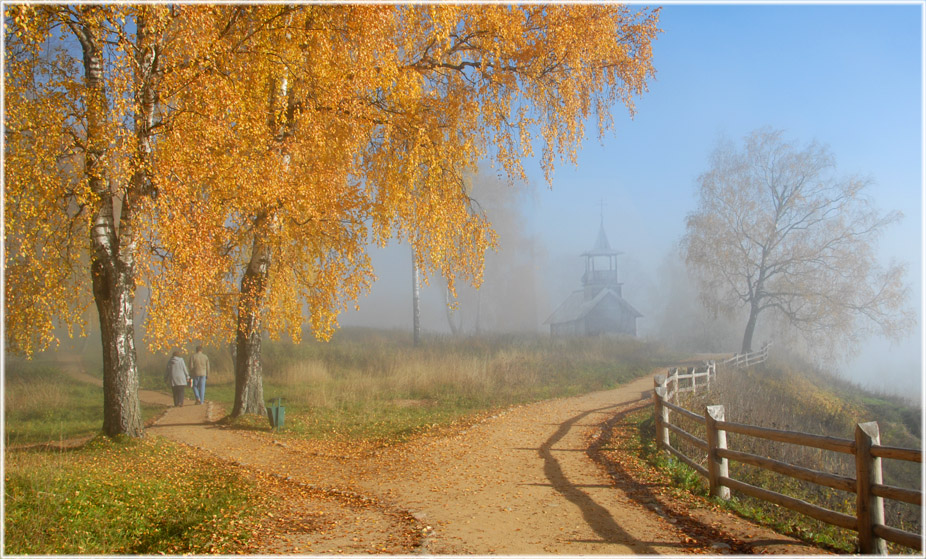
[(144, 496), (43, 404), (643, 438)]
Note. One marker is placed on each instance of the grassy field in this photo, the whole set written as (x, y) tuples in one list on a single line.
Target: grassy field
[(136, 497), (153, 496), (43, 404), (374, 384), (796, 398)]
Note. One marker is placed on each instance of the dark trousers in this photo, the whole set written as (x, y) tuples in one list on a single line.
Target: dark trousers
[(178, 395)]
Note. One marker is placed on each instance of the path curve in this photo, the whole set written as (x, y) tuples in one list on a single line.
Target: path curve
[(520, 482)]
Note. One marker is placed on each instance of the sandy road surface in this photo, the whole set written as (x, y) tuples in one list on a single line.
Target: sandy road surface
[(517, 483), (521, 483)]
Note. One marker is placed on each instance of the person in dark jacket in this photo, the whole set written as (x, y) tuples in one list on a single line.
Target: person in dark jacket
[(177, 377)]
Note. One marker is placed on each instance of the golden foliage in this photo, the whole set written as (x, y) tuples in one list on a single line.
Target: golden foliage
[(334, 126), (48, 199), (291, 137)]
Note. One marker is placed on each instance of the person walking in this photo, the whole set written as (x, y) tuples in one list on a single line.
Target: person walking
[(177, 377), (199, 365)]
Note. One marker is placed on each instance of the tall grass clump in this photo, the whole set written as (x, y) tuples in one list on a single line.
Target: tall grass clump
[(137, 497), (795, 397), (376, 384)]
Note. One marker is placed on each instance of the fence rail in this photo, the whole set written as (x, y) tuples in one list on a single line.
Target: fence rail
[(691, 378), (739, 361), (866, 447)]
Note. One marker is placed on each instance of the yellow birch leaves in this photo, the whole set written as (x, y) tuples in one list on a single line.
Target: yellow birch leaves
[(318, 129)]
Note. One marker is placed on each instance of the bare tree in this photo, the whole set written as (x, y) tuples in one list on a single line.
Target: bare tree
[(776, 230)]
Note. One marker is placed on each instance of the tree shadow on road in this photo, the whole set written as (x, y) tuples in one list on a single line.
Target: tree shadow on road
[(596, 516)]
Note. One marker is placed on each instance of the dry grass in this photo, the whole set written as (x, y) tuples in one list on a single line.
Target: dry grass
[(797, 398), (42, 404), (32, 400), (374, 383)]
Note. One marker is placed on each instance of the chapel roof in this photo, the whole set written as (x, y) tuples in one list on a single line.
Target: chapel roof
[(576, 307), (602, 247)]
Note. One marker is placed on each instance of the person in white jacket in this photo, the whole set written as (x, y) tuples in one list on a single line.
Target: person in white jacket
[(177, 377)]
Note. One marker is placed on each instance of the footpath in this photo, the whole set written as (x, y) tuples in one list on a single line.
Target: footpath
[(526, 481), (521, 482)]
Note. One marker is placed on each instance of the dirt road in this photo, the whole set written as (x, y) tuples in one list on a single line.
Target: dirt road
[(517, 483), (520, 482)]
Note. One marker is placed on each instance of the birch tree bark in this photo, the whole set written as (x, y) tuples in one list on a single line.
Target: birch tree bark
[(113, 240), (249, 388)]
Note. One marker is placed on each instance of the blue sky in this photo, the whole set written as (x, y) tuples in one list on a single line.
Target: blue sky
[(848, 76)]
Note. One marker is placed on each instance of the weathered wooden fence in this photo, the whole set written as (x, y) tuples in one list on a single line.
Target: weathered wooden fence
[(690, 379), (866, 447), (741, 360)]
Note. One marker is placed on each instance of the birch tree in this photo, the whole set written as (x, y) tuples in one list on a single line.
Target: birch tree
[(81, 85), (238, 159), (329, 127), (778, 232)]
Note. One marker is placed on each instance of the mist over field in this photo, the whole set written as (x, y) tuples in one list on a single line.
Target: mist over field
[(536, 268), (539, 263)]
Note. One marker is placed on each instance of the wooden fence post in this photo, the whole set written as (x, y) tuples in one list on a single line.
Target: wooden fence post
[(717, 467), (661, 413), (869, 508)]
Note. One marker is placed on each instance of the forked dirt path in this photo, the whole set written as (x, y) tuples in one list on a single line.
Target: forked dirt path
[(521, 483), (517, 483)]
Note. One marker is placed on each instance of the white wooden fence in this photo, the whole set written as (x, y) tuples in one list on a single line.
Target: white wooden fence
[(742, 360), (691, 379), (866, 447)]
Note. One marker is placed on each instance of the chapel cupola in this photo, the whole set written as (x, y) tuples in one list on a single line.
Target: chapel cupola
[(600, 266)]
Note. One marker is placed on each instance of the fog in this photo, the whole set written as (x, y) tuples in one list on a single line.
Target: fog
[(848, 76), (539, 263), (511, 298)]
